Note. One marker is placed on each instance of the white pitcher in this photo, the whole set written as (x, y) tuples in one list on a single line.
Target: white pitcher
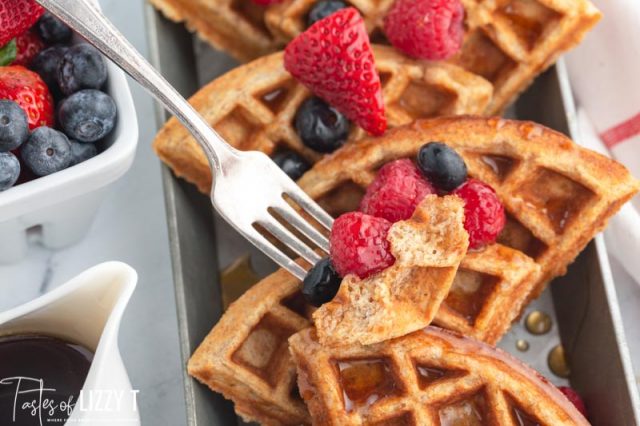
[(87, 310)]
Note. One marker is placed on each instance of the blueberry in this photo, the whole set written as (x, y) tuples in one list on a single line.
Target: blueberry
[(88, 115), (52, 30), (291, 163), (9, 170), (321, 283), (444, 167), (82, 151), (322, 9), (46, 151), (82, 67), (46, 64), (320, 126), (14, 126)]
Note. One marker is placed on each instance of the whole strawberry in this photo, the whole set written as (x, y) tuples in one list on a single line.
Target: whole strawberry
[(17, 16), (425, 29), (333, 59), (28, 45), (27, 89)]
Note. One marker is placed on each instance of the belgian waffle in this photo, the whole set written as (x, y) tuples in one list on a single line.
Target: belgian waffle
[(430, 377), (253, 107), (509, 42), (428, 248)]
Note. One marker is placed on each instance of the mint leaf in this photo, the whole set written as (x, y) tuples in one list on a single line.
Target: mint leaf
[(8, 53)]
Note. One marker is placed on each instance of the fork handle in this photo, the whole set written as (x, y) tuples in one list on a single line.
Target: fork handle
[(90, 23)]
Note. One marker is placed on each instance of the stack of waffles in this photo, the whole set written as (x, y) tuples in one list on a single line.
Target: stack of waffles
[(507, 42), (378, 352), (557, 197)]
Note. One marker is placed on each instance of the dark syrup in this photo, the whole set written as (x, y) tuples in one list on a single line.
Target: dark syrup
[(40, 379)]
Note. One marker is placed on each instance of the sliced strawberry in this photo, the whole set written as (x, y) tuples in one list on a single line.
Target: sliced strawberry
[(28, 45), (333, 59), (17, 16), (32, 94)]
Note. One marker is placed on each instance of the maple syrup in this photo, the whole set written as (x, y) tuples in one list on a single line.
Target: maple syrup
[(522, 345), (558, 362), (537, 322), (40, 376), (365, 382), (469, 412)]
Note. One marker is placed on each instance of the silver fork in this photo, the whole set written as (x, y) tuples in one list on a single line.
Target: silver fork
[(246, 185)]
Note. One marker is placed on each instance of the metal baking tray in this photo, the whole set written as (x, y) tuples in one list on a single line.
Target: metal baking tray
[(581, 308)]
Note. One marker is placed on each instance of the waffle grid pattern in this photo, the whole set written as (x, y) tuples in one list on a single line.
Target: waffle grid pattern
[(508, 42), (253, 107), (246, 355), (429, 378)]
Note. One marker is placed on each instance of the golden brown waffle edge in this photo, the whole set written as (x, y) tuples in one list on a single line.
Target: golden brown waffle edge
[(430, 377)]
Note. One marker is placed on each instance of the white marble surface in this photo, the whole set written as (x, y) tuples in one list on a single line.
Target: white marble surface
[(131, 227)]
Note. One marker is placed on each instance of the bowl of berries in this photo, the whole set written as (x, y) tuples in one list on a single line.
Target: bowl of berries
[(68, 130)]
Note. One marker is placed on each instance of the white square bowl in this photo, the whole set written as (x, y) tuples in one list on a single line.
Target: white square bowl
[(62, 206)]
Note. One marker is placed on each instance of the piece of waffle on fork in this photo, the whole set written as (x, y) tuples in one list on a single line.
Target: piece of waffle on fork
[(405, 297), (430, 377), (253, 107)]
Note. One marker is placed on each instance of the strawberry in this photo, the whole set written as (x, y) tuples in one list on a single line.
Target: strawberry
[(333, 59), (28, 45), (17, 16), (32, 94)]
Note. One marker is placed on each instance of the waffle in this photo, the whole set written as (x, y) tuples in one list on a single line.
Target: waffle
[(234, 26), (246, 357), (404, 297), (557, 196), (430, 377), (253, 107), (509, 42)]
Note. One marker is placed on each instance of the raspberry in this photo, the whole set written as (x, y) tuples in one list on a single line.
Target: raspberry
[(425, 29), (483, 211), (575, 399), (334, 60), (358, 245), (397, 190)]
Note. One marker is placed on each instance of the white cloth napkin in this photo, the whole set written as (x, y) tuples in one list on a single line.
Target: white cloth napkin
[(605, 72)]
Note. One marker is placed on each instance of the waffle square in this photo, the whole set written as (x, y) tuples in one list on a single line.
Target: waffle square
[(430, 377)]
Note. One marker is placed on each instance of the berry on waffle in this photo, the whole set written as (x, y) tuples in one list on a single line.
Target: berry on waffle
[(254, 107)]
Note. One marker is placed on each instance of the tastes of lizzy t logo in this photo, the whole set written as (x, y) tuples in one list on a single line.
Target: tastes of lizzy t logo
[(28, 401)]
